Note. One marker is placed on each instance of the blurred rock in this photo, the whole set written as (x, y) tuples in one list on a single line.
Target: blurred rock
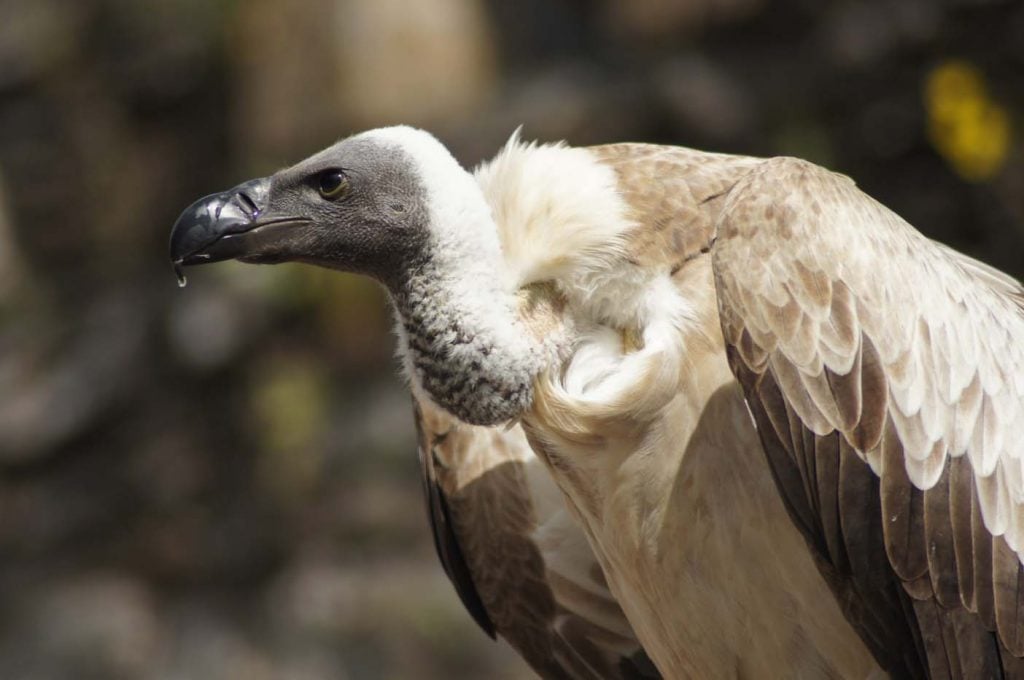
[(206, 329), (644, 20), (1009, 189), (315, 664), (314, 596), (211, 646), (36, 36), (328, 597), (46, 400), (171, 468), (361, 63), (376, 420), (288, 410), (104, 625), (413, 62), (570, 101), (889, 127), (861, 34), (705, 99), (161, 50), (11, 266)]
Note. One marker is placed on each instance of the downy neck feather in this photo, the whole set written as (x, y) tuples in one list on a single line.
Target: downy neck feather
[(534, 215), (461, 339)]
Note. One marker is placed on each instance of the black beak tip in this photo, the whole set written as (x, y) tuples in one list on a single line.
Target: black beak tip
[(206, 230), (196, 228), (213, 217)]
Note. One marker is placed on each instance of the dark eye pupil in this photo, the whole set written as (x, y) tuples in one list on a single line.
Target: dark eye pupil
[(331, 182)]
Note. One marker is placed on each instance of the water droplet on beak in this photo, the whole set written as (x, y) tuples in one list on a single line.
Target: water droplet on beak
[(180, 273)]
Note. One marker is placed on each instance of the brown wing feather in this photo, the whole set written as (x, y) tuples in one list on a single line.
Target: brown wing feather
[(445, 540), (886, 377), (670, 190), (545, 596)]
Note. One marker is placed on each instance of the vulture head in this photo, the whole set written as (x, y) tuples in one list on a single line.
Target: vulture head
[(377, 203), (395, 205)]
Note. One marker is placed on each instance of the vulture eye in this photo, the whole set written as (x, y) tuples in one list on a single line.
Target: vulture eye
[(333, 184)]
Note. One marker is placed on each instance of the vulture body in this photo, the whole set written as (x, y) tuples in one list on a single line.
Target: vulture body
[(681, 412)]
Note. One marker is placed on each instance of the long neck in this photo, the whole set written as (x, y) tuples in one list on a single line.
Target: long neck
[(464, 342)]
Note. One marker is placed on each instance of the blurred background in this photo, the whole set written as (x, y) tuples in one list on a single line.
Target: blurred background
[(221, 481)]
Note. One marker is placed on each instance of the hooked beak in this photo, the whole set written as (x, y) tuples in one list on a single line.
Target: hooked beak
[(226, 225)]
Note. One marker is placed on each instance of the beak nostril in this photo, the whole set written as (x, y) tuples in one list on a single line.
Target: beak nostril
[(248, 204)]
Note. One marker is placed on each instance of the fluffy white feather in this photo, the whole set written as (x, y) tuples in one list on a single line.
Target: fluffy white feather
[(560, 217)]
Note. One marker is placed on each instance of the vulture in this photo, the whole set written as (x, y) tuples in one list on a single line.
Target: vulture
[(682, 414)]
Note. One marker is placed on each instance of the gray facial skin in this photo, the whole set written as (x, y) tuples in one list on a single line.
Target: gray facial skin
[(377, 225), (361, 206)]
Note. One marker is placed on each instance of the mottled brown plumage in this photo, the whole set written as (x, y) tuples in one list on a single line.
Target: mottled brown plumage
[(671, 191), (519, 564), (849, 327)]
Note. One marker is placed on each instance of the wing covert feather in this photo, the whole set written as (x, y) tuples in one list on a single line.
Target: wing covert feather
[(836, 311), (518, 561)]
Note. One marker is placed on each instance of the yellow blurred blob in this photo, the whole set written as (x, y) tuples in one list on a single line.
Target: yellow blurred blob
[(969, 129), (289, 411)]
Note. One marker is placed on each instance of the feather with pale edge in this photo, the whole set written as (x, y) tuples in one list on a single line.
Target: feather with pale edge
[(521, 568), (906, 360)]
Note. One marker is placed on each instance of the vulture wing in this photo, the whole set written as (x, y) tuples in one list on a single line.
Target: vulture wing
[(885, 374), (518, 561)]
